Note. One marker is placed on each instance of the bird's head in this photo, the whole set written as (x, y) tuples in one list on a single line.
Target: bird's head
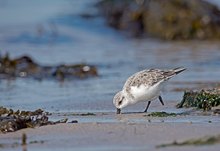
[(120, 101)]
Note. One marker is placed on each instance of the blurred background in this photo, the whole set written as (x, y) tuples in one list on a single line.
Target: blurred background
[(118, 38)]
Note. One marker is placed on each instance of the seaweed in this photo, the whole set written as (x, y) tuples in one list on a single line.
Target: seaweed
[(83, 114), (161, 114), (207, 140), (23, 143), (11, 120), (25, 67), (204, 99), (36, 142)]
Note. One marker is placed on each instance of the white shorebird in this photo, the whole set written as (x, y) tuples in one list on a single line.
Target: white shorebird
[(145, 85)]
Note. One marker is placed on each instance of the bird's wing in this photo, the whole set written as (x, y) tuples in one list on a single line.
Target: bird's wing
[(149, 77)]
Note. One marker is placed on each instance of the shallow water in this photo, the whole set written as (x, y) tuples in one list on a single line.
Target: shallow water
[(57, 34)]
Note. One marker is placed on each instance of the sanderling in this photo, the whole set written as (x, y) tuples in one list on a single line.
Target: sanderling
[(145, 85)]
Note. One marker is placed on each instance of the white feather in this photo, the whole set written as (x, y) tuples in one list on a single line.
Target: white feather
[(145, 93)]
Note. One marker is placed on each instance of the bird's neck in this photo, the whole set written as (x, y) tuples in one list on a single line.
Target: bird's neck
[(129, 97)]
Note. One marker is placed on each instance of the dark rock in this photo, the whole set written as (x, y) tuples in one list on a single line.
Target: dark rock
[(170, 19), (204, 99), (25, 67)]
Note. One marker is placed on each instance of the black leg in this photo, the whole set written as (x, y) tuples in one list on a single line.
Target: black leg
[(161, 100), (118, 111), (147, 106)]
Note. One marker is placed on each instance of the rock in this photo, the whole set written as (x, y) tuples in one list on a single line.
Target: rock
[(25, 67), (204, 99), (169, 20)]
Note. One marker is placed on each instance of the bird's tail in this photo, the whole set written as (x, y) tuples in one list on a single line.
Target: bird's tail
[(178, 70)]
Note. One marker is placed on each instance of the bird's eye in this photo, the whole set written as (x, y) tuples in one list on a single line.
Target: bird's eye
[(120, 102)]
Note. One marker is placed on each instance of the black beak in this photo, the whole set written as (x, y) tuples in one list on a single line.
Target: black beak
[(118, 111)]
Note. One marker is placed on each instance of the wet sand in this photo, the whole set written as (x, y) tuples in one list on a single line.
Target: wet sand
[(121, 133)]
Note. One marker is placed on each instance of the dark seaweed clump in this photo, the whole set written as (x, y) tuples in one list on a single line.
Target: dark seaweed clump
[(208, 140), (25, 67), (161, 114), (83, 114), (204, 99), (11, 120)]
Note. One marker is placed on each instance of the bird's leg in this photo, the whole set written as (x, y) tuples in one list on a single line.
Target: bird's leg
[(118, 111), (161, 100), (148, 104)]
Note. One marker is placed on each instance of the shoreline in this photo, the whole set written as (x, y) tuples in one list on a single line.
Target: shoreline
[(126, 134)]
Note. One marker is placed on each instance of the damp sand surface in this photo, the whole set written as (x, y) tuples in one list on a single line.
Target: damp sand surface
[(128, 131)]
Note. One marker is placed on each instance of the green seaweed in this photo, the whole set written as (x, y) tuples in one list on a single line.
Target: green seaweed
[(204, 99), (17, 144), (208, 140), (36, 142), (161, 114), (83, 114)]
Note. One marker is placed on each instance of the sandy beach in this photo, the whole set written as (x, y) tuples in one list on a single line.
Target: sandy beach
[(123, 132), (59, 35)]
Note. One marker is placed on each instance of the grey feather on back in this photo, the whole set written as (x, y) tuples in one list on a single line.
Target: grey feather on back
[(148, 77)]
